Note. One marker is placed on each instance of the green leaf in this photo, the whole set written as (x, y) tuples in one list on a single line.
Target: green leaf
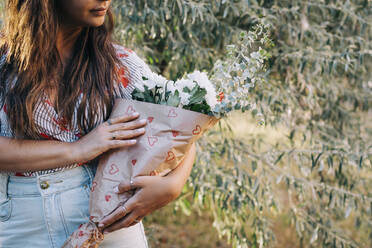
[(174, 100)]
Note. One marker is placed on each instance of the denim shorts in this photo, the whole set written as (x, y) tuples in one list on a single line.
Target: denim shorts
[(43, 211)]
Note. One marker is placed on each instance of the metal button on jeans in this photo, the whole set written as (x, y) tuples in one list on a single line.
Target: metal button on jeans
[(44, 184)]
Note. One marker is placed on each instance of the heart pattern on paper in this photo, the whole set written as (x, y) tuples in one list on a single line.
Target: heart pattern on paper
[(170, 156), (175, 133), (152, 140), (94, 184), (134, 161), (130, 109), (81, 234), (150, 119), (107, 198), (172, 113), (113, 169), (197, 130)]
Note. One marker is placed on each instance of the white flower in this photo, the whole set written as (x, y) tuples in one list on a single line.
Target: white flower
[(140, 87), (171, 87), (185, 98), (149, 83), (211, 100), (184, 83), (154, 80), (202, 80)]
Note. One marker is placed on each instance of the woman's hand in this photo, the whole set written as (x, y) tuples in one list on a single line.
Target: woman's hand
[(152, 193), (114, 133)]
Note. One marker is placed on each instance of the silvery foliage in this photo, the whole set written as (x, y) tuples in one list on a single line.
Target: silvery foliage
[(241, 69)]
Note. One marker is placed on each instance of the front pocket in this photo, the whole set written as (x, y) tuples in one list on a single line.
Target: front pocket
[(74, 207), (5, 210)]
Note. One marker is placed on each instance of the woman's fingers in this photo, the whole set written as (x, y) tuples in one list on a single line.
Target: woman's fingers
[(125, 222), (136, 182), (127, 125), (138, 219), (128, 133), (122, 143), (119, 213), (122, 118)]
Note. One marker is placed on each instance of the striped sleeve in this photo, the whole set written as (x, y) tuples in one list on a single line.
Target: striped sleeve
[(137, 69)]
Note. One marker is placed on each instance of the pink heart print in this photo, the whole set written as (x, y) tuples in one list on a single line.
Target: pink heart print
[(175, 133), (134, 161), (150, 119), (152, 140), (172, 113), (197, 130), (113, 169), (107, 197), (81, 234), (170, 156), (130, 109)]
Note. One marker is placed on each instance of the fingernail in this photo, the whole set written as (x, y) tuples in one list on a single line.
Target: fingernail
[(132, 141), (100, 225), (141, 130), (143, 121), (135, 114), (105, 232), (116, 189)]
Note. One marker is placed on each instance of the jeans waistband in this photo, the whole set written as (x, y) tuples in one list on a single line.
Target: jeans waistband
[(49, 183)]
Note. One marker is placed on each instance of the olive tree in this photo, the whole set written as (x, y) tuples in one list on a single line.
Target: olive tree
[(317, 91)]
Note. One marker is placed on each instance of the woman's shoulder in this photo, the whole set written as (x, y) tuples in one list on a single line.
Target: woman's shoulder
[(127, 54), (131, 59), (133, 70)]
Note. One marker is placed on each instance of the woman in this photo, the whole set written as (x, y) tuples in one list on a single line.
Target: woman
[(60, 73)]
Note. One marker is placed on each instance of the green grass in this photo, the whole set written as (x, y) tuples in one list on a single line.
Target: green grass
[(172, 229)]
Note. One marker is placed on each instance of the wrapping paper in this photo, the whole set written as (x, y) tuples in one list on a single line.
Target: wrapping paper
[(169, 135)]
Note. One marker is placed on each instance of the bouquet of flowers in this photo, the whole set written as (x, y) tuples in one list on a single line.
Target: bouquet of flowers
[(178, 113)]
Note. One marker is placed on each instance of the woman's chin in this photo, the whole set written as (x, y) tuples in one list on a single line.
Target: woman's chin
[(96, 22)]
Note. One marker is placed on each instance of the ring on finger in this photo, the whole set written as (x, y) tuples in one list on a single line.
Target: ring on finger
[(124, 209), (131, 184)]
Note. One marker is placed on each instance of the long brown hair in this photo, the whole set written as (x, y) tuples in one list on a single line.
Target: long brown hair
[(32, 61)]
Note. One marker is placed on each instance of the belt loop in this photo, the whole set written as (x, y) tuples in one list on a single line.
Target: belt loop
[(4, 178)]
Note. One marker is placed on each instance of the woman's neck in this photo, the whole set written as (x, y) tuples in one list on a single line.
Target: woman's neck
[(66, 39)]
